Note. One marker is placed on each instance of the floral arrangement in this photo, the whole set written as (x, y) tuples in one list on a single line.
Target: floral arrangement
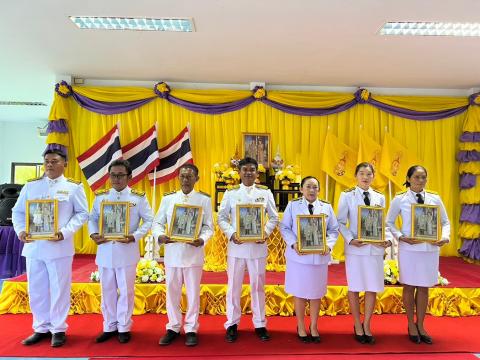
[(219, 169), (390, 271), (442, 281), (225, 173), (149, 271), (95, 276), (288, 174), (261, 168)]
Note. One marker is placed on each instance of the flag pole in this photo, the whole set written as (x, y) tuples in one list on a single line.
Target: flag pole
[(326, 187)]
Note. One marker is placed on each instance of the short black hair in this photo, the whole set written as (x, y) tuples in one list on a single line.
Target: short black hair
[(121, 162), (189, 166), (55, 151), (364, 165), (309, 177), (246, 161), (410, 172)]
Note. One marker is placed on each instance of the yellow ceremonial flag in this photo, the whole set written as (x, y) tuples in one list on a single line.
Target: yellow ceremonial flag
[(339, 160), (395, 160), (370, 151)]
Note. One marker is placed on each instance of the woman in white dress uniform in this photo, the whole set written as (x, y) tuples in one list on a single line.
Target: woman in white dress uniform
[(306, 274), (363, 261), (418, 260)]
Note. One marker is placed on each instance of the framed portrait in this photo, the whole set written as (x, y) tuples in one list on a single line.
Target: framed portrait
[(250, 221), (371, 224), (426, 222), (114, 220), (257, 146), (41, 219), (186, 222), (312, 234)]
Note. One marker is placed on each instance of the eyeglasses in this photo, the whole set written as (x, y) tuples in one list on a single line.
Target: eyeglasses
[(118, 176)]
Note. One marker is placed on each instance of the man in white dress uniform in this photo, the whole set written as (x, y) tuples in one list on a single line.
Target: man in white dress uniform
[(117, 260), (252, 255), (183, 260), (49, 263)]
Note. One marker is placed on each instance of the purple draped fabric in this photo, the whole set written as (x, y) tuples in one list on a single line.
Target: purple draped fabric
[(470, 213), (470, 137), (468, 181), (307, 111), (468, 155), (109, 108), (11, 261), (59, 126), (211, 109), (471, 249)]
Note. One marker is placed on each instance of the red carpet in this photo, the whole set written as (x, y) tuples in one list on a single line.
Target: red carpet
[(463, 356), (460, 273), (451, 335)]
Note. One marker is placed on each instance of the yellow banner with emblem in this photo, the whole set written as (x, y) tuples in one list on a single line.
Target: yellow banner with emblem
[(339, 160), (370, 151)]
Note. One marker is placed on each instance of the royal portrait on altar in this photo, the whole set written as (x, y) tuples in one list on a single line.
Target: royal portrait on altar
[(257, 146), (186, 222)]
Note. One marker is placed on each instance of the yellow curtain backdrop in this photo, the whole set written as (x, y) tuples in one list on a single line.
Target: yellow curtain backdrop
[(214, 138)]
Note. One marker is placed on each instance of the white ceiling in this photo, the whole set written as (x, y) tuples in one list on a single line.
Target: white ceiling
[(280, 42)]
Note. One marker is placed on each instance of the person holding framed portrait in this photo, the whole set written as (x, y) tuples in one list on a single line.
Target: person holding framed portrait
[(306, 273), (418, 259), (49, 260), (118, 255), (248, 254), (184, 251), (363, 255)]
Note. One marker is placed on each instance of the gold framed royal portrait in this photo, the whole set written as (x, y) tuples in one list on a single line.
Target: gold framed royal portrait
[(185, 223), (425, 223), (114, 222), (250, 222), (41, 219), (258, 147), (312, 234), (371, 224)]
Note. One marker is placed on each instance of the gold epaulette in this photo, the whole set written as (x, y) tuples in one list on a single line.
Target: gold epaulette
[(204, 193), (401, 192), (102, 192), (348, 190), (74, 181), (235, 187), (431, 192), (378, 192), (323, 201), (35, 179), (170, 193), (297, 199), (138, 193), (258, 186)]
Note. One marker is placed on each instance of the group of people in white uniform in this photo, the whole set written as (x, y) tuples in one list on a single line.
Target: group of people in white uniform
[(50, 262)]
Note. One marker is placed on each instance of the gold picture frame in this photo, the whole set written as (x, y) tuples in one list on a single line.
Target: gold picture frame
[(185, 223), (425, 223), (257, 146), (312, 234), (114, 222), (371, 224), (41, 219), (250, 219)]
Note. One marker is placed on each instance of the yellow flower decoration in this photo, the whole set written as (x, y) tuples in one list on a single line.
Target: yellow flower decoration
[(365, 94), (260, 93), (63, 89), (261, 168), (162, 87), (477, 100)]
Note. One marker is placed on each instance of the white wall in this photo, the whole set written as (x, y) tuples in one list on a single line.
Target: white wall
[(19, 142)]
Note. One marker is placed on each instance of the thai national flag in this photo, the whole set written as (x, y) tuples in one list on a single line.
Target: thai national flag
[(172, 156), (94, 162), (142, 154)]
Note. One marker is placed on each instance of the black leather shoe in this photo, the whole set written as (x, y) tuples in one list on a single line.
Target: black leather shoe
[(106, 335), (414, 338), (360, 338), (191, 339), (262, 333), (168, 338), (232, 333), (304, 339), (58, 339), (315, 338), (426, 339), (124, 337), (35, 338), (369, 339)]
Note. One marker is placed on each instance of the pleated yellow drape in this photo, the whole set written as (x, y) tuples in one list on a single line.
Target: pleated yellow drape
[(214, 138)]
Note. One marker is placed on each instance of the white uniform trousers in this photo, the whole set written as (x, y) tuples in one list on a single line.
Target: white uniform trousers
[(236, 274), (175, 277), (118, 297), (49, 285)]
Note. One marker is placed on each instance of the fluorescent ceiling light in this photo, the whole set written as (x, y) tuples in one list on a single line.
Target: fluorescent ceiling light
[(430, 29), (145, 24)]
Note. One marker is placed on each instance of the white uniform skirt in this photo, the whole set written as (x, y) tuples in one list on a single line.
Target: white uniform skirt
[(306, 281), (418, 268), (364, 272)]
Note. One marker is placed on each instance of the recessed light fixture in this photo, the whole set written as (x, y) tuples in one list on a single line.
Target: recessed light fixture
[(23, 103), (430, 29), (144, 24)]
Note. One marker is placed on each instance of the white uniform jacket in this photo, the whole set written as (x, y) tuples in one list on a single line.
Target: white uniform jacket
[(288, 228), (402, 205), (72, 214), (348, 205), (227, 218), (181, 254), (115, 254)]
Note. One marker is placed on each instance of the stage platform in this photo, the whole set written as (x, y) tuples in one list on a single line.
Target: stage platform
[(460, 298)]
